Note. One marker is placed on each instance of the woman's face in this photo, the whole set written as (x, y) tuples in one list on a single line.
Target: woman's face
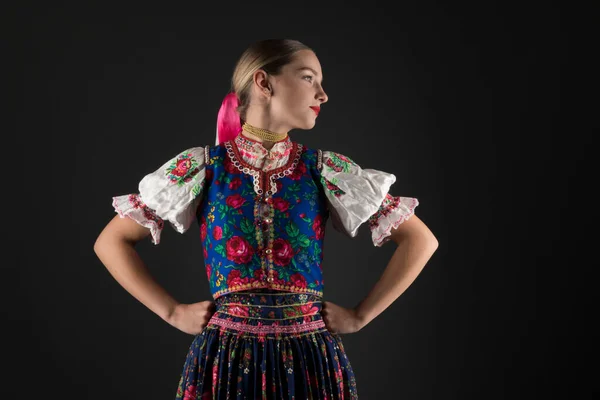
[(295, 91)]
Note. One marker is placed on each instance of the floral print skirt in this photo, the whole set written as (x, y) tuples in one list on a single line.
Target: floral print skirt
[(266, 344)]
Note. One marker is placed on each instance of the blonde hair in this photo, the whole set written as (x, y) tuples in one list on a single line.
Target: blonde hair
[(269, 55)]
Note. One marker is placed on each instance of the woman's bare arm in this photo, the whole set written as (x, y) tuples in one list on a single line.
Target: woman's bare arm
[(115, 249), (416, 244)]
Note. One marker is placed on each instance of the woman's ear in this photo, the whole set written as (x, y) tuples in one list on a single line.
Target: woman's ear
[(261, 80)]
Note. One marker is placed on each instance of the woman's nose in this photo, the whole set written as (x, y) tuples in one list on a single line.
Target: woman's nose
[(322, 96)]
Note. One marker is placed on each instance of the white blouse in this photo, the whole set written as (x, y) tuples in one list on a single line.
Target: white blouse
[(171, 193), (354, 195), (363, 196)]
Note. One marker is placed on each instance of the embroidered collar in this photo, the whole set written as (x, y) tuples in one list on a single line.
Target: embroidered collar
[(254, 152)]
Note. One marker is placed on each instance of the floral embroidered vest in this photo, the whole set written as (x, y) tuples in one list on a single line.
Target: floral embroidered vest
[(263, 229)]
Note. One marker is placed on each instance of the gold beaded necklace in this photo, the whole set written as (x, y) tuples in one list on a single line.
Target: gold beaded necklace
[(264, 133)]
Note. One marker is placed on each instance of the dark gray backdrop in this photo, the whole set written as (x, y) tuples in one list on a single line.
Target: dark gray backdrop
[(465, 104)]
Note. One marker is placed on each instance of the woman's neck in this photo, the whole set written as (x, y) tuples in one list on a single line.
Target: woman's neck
[(259, 118), (265, 143)]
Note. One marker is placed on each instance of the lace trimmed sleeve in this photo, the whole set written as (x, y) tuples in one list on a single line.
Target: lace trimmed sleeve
[(171, 193), (356, 195)]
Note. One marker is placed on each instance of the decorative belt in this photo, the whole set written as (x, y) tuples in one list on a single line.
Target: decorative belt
[(265, 311)]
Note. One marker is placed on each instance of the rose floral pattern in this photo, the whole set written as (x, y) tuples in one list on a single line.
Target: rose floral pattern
[(183, 168), (269, 241)]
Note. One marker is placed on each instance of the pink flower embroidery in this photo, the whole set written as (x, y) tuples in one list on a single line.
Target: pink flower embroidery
[(239, 250), (308, 310), (318, 227), (230, 167), (298, 172), (182, 167), (235, 183), (203, 230), (280, 204), (190, 393), (282, 252), (217, 232), (208, 174), (239, 310), (298, 280), (235, 200), (235, 279), (214, 378)]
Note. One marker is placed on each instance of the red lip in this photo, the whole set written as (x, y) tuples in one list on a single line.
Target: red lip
[(316, 109)]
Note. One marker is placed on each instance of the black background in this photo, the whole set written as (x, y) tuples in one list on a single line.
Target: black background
[(470, 106)]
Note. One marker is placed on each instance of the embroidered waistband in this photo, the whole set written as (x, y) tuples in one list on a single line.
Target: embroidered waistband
[(265, 329), (264, 311)]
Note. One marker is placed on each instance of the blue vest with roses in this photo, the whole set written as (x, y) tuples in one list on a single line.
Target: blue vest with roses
[(263, 229)]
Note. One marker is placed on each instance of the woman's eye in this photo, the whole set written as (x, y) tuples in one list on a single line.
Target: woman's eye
[(307, 76)]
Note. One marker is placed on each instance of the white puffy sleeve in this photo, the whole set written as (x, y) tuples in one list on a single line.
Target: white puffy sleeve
[(355, 196), (171, 193)]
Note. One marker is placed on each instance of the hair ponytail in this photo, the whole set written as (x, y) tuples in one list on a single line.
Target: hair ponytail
[(228, 120)]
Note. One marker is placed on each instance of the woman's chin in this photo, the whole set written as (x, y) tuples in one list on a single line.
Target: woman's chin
[(305, 124), (310, 124)]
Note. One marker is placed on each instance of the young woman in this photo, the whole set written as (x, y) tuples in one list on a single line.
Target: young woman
[(262, 202)]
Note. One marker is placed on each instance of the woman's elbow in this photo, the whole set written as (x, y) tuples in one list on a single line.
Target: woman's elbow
[(120, 230)]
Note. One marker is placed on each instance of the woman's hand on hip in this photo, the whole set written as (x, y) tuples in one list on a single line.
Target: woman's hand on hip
[(192, 318), (340, 320)]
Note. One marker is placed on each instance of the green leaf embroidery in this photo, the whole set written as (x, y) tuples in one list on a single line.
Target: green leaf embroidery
[(247, 226), (197, 189), (317, 250), (284, 274), (221, 250), (292, 230), (303, 240), (191, 169), (227, 232)]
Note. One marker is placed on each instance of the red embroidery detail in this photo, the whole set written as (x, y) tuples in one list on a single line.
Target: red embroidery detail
[(265, 177), (136, 202), (243, 327)]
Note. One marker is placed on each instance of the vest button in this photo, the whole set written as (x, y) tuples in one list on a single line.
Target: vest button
[(268, 251), (270, 279), (268, 220)]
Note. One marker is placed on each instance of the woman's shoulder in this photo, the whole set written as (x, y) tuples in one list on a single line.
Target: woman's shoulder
[(198, 155)]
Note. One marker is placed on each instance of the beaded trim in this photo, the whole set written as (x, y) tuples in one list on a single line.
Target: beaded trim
[(271, 176), (266, 285), (319, 159), (245, 168), (240, 326), (206, 154), (274, 175), (266, 265)]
